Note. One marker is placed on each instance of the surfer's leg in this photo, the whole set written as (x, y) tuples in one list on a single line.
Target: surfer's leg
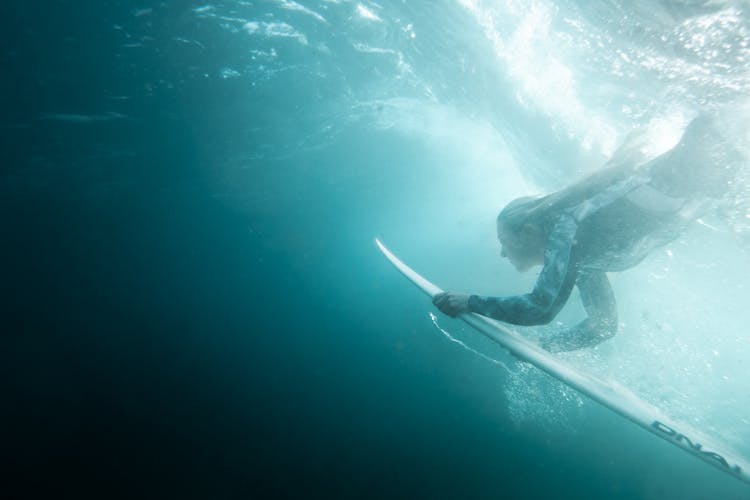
[(703, 163)]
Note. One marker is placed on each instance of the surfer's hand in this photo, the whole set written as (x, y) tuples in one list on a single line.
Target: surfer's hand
[(451, 303)]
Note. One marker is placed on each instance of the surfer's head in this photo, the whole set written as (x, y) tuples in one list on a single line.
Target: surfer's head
[(521, 233)]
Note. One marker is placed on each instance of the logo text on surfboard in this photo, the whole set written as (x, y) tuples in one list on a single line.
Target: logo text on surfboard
[(694, 446)]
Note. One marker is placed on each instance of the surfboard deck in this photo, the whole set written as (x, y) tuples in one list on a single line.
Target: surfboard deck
[(611, 395)]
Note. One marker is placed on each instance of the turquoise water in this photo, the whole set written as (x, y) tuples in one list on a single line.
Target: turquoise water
[(194, 301)]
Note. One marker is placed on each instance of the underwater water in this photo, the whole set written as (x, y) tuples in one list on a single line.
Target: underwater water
[(195, 307)]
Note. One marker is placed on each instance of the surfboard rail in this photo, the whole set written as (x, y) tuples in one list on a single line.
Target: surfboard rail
[(610, 395)]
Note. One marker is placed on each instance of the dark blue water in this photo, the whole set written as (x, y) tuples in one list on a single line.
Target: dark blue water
[(193, 303)]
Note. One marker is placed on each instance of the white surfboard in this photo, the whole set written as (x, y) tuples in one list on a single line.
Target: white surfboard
[(611, 395)]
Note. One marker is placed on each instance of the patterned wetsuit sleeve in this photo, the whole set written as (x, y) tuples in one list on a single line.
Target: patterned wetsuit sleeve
[(601, 324), (552, 288)]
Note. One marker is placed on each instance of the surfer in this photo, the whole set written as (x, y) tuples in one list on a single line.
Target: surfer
[(609, 221)]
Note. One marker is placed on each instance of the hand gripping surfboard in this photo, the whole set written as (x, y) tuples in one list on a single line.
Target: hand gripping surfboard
[(615, 397)]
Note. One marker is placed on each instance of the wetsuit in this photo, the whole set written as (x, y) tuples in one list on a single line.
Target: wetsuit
[(611, 230)]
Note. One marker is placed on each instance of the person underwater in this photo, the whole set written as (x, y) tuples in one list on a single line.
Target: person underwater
[(607, 222)]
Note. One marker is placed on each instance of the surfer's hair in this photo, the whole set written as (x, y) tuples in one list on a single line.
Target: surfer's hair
[(541, 212), (522, 211)]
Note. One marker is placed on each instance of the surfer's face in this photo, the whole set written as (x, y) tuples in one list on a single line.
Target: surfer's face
[(524, 249)]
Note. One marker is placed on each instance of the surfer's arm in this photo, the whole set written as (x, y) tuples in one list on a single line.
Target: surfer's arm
[(552, 288), (601, 324)]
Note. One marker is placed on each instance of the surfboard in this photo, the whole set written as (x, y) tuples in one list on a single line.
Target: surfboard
[(610, 394)]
